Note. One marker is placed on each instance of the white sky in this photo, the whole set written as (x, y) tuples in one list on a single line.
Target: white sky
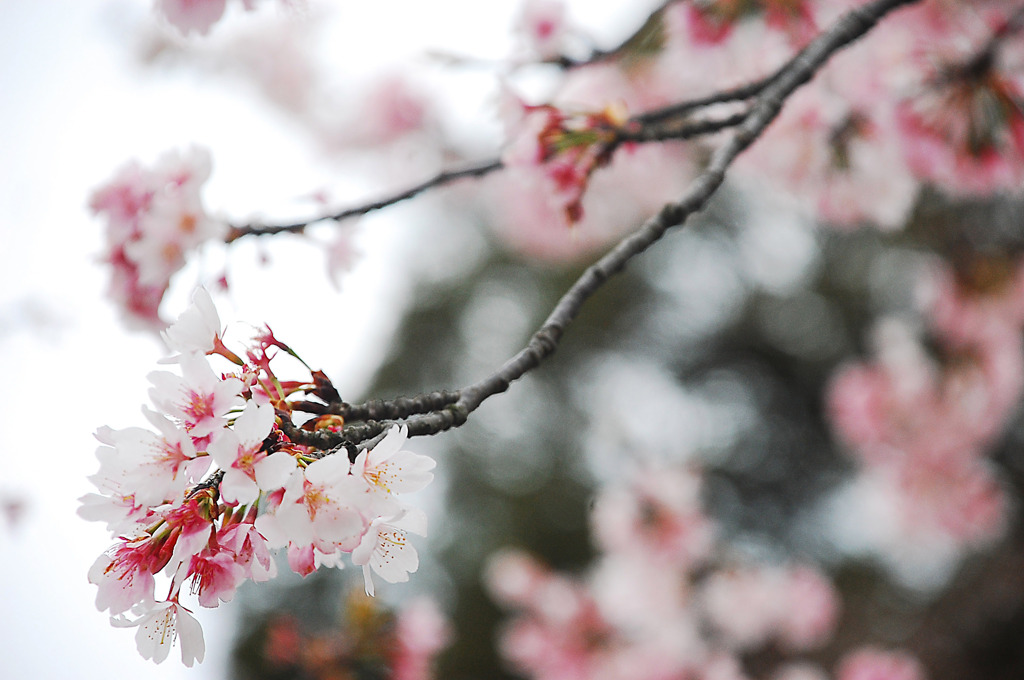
[(74, 109)]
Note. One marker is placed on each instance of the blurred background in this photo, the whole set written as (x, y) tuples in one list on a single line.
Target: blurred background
[(714, 349)]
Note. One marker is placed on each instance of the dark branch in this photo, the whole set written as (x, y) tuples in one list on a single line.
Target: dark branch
[(652, 29), (392, 409), (439, 411), (640, 128), (766, 107), (738, 94), (441, 179), (682, 130)]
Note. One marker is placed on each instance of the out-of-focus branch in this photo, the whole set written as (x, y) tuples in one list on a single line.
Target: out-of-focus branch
[(636, 129), (686, 129), (648, 36), (765, 108), (441, 179), (439, 411), (737, 94)]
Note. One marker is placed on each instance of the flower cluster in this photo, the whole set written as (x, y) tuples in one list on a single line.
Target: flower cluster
[(214, 531), (919, 424), (566, 148), (155, 217), (932, 97), (710, 22), (664, 596)]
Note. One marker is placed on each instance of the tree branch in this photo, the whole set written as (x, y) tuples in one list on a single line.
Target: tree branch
[(439, 411), (441, 179), (766, 107), (650, 29)]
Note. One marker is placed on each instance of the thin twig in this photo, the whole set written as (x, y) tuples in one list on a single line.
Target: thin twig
[(635, 39), (441, 179), (652, 134)]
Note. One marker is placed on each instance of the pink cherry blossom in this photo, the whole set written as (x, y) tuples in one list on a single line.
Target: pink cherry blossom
[(198, 398), (158, 466), (560, 151), (192, 15), (191, 526), (813, 609), (659, 514), (421, 631), (542, 24), (512, 577), (216, 575), (712, 23), (531, 204), (744, 605), (959, 116), (120, 511), (875, 664), (116, 504), (250, 550), (125, 576), (837, 154), (391, 109), (155, 217)]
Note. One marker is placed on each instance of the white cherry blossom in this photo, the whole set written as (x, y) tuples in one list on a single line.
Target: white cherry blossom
[(247, 470), (320, 506), (198, 327), (160, 627), (389, 469), (385, 548)]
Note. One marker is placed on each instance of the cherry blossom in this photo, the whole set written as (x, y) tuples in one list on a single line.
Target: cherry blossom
[(385, 549), (875, 664), (198, 328), (155, 217), (389, 469), (750, 606), (198, 398), (542, 24), (192, 15), (125, 577), (216, 575), (320, 507), (195, 15), (961, 125), (249, 469), (208, 535), (250, 550), (648, 602), (563, 149), (157, 466), (161, 626), (421, 631), (934, 100)]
